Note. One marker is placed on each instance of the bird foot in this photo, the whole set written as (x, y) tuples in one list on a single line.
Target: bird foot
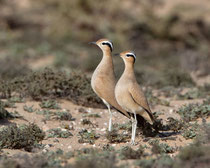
[(133, 143)]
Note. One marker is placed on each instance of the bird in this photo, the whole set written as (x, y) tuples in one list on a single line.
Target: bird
[(103, 79), (129, 94)]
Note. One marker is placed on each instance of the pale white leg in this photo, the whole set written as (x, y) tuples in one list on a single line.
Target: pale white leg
[(132, 135), (110, 119), (110, 114), (134, 124)]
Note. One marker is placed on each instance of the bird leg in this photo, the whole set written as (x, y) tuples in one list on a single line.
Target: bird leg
[(110, 114), (134, 124), (110, 118)]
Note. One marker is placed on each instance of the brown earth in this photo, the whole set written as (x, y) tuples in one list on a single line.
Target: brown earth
[(100, 125)]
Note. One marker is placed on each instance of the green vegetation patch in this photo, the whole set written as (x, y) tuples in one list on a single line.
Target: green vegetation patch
[(159, 162), (115, 137), (50, 104), (86, 136), (129, 153), (160, 148), (4, 114), (23, 136), (48, 84), (93, 115), (58, 133), (191, 131), (193, 111), (63, 115), (177, 78)]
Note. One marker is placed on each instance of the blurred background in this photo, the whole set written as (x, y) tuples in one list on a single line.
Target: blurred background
[(171, 38)]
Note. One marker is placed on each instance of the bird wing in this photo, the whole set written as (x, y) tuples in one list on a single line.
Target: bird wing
[(139, 97), (107, 93)]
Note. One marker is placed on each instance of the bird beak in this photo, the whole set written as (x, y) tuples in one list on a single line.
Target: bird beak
[(117, 54), (92, 43)]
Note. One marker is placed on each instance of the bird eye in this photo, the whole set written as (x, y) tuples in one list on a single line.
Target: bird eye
[(103, 43)]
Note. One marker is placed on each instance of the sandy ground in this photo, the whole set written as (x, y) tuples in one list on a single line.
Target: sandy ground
[(100, 125)]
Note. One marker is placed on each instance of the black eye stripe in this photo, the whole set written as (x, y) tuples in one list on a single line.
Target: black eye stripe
[(110, 46), (131, 55)]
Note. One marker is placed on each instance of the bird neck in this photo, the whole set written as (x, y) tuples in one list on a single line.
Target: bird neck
[(107, 57), (129, 70)]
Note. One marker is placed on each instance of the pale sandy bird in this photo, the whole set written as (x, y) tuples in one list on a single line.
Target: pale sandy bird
[(130, 96), (103, 79)]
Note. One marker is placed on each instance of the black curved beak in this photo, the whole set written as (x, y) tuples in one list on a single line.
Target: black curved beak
[(92, 43)]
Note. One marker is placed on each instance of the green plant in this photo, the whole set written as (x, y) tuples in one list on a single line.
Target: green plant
[(129, 153), (163, 161), (174, 124), (58, 133), (86, 122), (16, 99), (114, 137), (24, 136), (193, 111), (92, 115), (191, 131), (63, 115), (159, 148), (4, 114), (49, 84), (29, 109), (86, 136), (177, 78), (50, 104)]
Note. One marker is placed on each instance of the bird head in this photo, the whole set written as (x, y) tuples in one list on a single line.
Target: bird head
[(128, 56), (104, 44)]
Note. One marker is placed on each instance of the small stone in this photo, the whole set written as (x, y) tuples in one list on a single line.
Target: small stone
[(47, 146), (104, 129), (171, 111), (45, 150)]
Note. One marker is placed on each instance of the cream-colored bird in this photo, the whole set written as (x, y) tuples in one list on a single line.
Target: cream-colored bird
[(129, 95), (103, 79)]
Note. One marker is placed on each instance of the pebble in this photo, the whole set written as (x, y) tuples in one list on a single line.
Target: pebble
[(69, 147), (104, 129), (171, 111), (73, 122), (89, 110), (45, 150)]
